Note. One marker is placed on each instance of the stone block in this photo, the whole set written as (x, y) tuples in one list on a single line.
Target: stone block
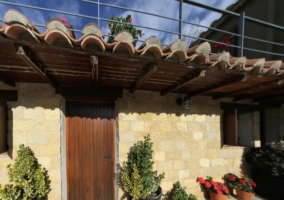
[(165, 166), (197, 135), (199, 118), (185, 155), (166, 126), (217, 162), (181, 126), (166, 146), (187, 118), (129, 116), (204, 162), (126, 137), (180, 145), (137, 126), (178, 165), (124, 125), (160, 117), (145, 116), (152, 126), (184, 174), (173, 155), (159, 156), (212, 153), (171, 175)]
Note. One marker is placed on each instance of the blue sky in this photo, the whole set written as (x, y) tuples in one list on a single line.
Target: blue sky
[(168, 8)]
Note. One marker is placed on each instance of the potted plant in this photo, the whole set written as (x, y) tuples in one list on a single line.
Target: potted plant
[(118, 24), (218, 190), (28, 179), (137, 175), (268, 170), (179, 193), (243, 185)]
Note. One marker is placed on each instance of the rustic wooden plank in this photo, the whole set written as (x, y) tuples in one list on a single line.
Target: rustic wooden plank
[(216, 86), (191, 78), (33, 62), (148, 72)]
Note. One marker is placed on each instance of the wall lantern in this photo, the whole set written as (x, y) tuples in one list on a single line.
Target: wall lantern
[(183, 102)]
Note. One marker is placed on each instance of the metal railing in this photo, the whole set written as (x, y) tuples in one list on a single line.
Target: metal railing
[(242, 18)]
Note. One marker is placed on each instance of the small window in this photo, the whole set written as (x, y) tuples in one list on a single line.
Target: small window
[(238, 128), (3, 127)]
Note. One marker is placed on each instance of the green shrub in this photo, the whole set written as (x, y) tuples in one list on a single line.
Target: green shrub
[(137, 175), (179, 193), (28, 179)]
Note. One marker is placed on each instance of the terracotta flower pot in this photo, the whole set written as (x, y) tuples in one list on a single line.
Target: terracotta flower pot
[(214, 196), (242, 195)]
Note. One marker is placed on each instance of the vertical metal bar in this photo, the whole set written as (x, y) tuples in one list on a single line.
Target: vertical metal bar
[(241, 32), (99, 13), (180, 19)]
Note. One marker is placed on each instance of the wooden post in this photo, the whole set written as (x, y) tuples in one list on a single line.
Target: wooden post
[(3, 127)]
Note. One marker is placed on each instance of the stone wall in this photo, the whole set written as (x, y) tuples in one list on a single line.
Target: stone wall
[(187, 144), (34, 120)]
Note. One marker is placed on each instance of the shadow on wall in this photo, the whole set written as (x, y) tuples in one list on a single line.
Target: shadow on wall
[(33, 116)]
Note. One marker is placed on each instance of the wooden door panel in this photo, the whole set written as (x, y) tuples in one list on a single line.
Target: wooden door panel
[(90, 133)]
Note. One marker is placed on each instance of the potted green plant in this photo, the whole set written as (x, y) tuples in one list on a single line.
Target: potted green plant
[(243, 185), (137, 175), (179, 193), (218, 190), (28, 179), (117, 24), (266, 163)]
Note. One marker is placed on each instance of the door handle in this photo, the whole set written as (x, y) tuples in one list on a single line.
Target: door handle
[(108, 156)]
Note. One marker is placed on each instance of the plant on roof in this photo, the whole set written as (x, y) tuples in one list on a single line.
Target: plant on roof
[(137, 175), (117, 24), (243, 183), (28, 179)]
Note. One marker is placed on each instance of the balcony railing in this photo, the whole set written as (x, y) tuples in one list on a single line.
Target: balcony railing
[(177, 32)]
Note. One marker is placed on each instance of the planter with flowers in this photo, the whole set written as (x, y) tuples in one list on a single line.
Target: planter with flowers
[(117, 24), (218, 190), (244, 185)]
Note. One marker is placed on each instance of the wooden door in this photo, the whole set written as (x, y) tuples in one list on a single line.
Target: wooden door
[(90, 152)]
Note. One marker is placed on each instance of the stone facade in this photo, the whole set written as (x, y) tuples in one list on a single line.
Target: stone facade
[(34, 120), (186, 144)]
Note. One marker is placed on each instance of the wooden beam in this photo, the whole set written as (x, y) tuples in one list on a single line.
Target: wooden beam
[(31, 61), (242, 108), (242, 90), (262, 93), (216, 86), (7, 81), (77, 92), (8, 95), (190, 79), (147, 73), (268, 97)]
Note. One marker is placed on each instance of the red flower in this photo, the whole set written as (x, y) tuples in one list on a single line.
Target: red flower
[(130, 20), (207, 184), (253, 184), (216, 46), (242, 181), (219, 192), (64, 20), (200, 179), (227, 42), (232, 178)]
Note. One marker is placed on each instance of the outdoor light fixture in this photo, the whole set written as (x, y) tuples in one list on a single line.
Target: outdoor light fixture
[(183, 102)]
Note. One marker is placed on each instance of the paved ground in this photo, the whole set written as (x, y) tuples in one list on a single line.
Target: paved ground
[(253, 198)]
